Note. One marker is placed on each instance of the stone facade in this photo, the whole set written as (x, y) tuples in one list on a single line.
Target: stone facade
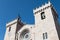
[(46, 26)]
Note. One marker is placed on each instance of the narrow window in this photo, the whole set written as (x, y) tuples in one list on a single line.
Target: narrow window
[(44, 36), (42, 15), (9, 29)]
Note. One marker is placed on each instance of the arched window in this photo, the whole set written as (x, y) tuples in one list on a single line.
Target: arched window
[(42, 15)]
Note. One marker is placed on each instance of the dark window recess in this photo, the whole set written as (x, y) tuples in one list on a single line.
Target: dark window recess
[(9, 29), (42, 15), (45, 35)]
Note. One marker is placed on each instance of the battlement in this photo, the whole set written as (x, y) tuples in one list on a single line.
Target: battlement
[(43, 7)]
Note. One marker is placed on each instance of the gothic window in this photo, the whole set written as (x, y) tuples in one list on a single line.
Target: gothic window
[(45, 36), (9, 29), (42, 15)]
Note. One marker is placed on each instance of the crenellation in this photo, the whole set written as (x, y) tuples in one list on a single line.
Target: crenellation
[(42, 7)]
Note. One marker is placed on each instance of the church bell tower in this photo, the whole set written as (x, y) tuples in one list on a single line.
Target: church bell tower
[(46, 23)]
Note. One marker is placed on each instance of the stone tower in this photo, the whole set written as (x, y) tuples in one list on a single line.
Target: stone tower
[(12, 28), (46, 23)]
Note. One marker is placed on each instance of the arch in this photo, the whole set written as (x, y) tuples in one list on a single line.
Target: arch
[(25, 34)]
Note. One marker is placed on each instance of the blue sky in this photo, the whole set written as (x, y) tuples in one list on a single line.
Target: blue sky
[(9, 10)]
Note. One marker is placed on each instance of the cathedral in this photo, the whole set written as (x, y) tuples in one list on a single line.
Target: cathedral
[(46, 26)]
